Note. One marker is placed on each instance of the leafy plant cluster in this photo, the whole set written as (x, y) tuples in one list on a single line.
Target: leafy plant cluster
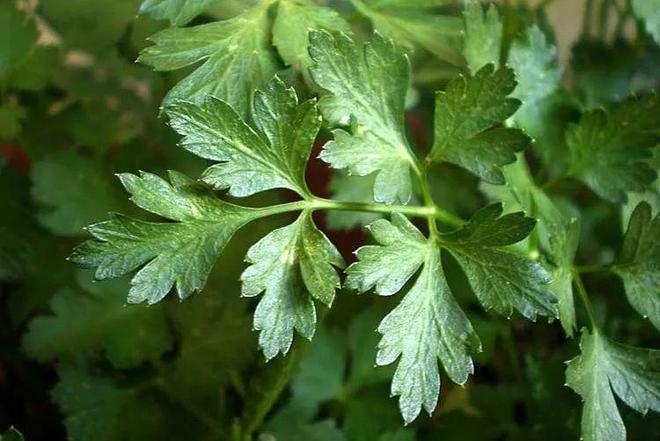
[(497, 187)]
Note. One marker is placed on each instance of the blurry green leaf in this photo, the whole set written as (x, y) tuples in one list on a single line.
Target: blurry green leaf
[(236, 58), (89, 24), (291, 28), (17, 35), (178, 12), (649, 12), (639, 263), (465, 116), (408, 24), (72, 191), (483, 36), (353, 189), (604, 365), (179, 253), (80, 323), (609, 149), (12, 434), (292, 266), (11, 117), (273, 155), (290, 424), (368, 85), (33, 71)]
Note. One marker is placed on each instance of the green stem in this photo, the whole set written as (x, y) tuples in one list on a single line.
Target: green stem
[(582, 292), (586, 19)]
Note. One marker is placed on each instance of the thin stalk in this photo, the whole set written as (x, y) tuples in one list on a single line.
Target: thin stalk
[(586, 18), (582, 292)]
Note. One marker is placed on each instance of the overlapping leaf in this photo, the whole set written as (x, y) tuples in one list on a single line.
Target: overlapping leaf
[(427, 325), (236, 58), (639, 263), (292, 266), (609, 150), (274, 154), (605, 366), (483, 36), (367, 85), (466, 116), (178, 253)]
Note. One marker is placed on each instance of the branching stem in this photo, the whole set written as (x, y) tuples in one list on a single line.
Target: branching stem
[(582, 292)]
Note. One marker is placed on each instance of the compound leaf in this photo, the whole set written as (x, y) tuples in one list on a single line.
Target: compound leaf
[(605, 366), (366, 85), (466, 114), (178, 253), (292, 266), (274, 154), (483, 36)]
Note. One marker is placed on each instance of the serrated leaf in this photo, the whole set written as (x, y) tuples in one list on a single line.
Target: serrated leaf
[(649, 12), (236, 58), (502, 279), (178, 12), (292, 266), (426, 326), (178, 253), (605, 366), (639, 263), (557, 233), (17, 35), (409, 24), (483, 36), (72, 191), (274, 154), (367, 85), (292, 24), (128, 334), (609, 150), (466, 116)]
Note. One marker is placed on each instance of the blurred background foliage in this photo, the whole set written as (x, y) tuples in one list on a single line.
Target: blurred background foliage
[(74, 358)]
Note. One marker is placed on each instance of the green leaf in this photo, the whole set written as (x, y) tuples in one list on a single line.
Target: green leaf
[(128, 335), (427, 325), (639, 263), (236, 54), (292, 266), (274, 155), (502, 279), (11, 121), (12, 434), (408, 24), (292, 424), (178, 12), (557, 233), (604, 365), (649, 12), (466, 114), (483, 36), (72, 191), (366, 85), (18, 33), (609, 150), (291, 28), (538, 75), (178, 253)]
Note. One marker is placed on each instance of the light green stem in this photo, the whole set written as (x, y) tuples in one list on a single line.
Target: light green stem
[(582, 292)]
